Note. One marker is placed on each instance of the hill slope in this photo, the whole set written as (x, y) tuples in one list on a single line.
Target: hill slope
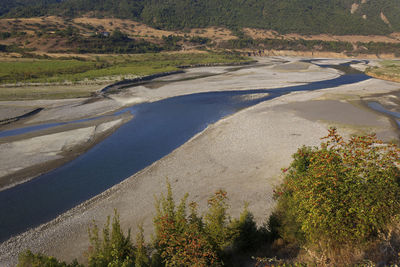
[(285, 16)]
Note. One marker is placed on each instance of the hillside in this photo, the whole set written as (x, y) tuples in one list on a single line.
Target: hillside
[(35, 36), (342, 17)]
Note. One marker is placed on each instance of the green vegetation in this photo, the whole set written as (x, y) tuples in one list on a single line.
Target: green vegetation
[(93, 70), (28, 259), (44, 70), (117, 42), (114, 248), (341, 197), (339, 202), (380, 48), (301, 16), (48, 92), (296, 45), (180, 239), (59, 71), (374, 48), (389, 70)]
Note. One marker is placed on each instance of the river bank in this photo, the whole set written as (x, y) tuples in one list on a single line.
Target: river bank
[(316, 54), (242, 153)]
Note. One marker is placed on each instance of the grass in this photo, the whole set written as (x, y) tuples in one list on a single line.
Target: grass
[(100, 70), (58, 71), (41, 70), (389, 70), (47, 92)]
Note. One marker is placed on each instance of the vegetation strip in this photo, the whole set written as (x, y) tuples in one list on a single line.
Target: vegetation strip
[(389, 70), (96, 70)]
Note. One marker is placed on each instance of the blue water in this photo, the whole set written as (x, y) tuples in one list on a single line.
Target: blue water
[(34, 128), (156, 129), (378, 107)]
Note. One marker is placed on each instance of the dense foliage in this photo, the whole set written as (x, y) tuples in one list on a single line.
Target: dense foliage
[(285, 44), (343, 194), (29, 259), (181, 238), (117, 42), (114, 249), (302, 16)]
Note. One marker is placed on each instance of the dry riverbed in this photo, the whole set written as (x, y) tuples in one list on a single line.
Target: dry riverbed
[(242, 153)]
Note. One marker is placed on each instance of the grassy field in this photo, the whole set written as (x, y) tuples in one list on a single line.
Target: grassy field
[(59, 71), (48, 92), (50, 76), (389, 70)]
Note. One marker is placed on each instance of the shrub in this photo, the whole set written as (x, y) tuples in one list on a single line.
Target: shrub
[(28, 259), (180, 239), (141, 254), (341, 194), (194, 240), (217, 221), (246, 235), (114, 249)]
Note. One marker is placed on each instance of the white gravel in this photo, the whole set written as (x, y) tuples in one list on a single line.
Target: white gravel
[(242, 154)]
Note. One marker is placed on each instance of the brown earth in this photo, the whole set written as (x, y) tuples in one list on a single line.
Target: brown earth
[(51, 42), (384, 77), (89, 26), (292, 53), (262, 34)]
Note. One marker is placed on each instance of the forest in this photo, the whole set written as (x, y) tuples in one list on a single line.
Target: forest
[(284, 16)]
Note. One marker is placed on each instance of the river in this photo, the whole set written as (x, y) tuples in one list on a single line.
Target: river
[(156, 129)]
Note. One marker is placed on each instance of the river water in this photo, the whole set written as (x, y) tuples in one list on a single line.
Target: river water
[(156, 130)]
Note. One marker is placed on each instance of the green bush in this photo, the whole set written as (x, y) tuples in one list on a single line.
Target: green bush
[(180, 240), (28, 259), (341, 194), (113, 249), (217, 221), (247, 236), (209, 240)]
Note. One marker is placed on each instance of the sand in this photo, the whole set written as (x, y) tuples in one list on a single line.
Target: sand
[(242, 153)]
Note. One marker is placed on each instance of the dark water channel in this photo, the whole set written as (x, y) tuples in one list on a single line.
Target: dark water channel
[(378, 107), (156, 129)]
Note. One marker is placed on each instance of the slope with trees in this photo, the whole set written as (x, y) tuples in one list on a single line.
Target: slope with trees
[(300, 16)]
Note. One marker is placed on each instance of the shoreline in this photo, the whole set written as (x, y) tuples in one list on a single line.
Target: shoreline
[(112, 193), (242, 153), (66, 154), (383, 77), (120, 84), (314, 54)]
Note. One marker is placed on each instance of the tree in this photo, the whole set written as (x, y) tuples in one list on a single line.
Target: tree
[(180, 240), (141, 255), (114, 249), (343, 194), (217, 221)]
